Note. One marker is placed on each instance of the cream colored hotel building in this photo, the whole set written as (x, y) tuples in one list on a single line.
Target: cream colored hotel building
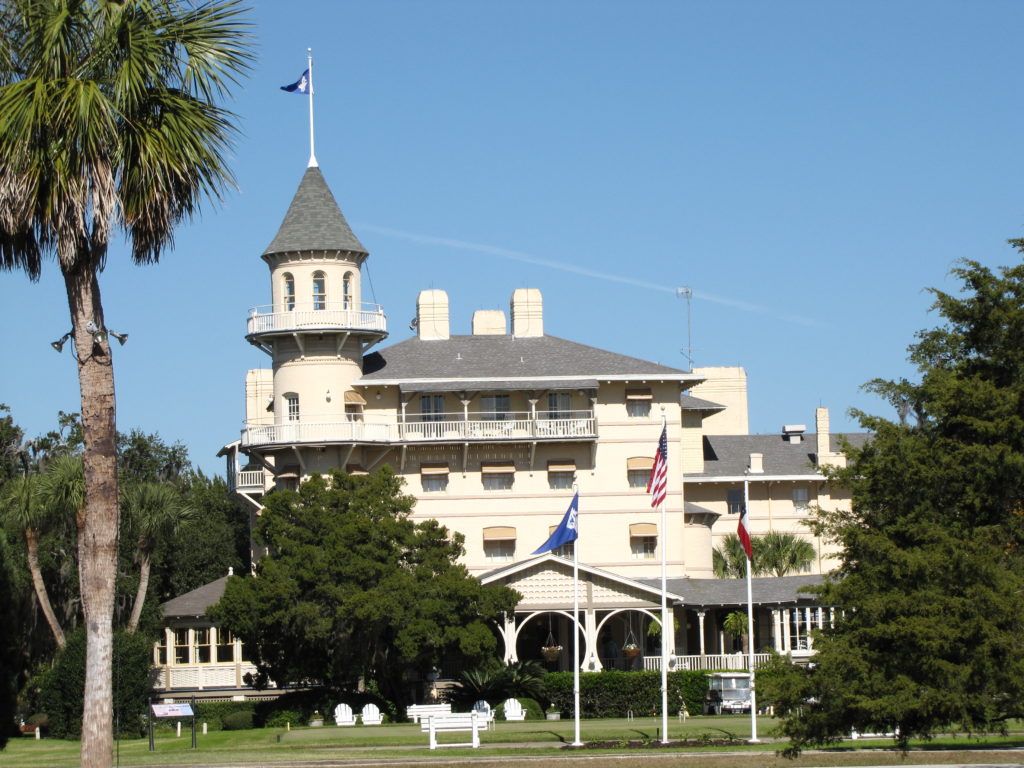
[(490, 430)]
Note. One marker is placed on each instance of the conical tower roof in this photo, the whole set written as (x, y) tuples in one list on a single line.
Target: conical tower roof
[(314, 221)]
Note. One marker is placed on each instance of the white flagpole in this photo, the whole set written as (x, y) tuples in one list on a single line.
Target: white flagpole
[(576, 622), (750, 623), (312, 147), (666, 623)]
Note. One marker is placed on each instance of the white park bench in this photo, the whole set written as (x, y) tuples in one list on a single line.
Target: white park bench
[(514, 710), (417, 712), (371, 715), (452, 722), (343, 715)]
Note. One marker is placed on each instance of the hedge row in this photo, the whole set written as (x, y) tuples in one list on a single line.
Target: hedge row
[(614, 693)]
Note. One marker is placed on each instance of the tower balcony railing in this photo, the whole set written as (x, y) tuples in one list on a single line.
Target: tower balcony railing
[(316, 316), (436, 427)]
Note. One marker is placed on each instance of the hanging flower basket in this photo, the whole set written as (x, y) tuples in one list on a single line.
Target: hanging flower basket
[(551, 652), (631, 651)]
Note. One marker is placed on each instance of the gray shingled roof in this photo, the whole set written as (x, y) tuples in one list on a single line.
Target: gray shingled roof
[(314, 222), (691, 403), (729, 455), (766, 591), (196, 602), (510, 385), (504, 357)]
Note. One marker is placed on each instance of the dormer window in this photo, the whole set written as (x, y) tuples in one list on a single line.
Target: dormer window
[(319, 290), (289, 291)]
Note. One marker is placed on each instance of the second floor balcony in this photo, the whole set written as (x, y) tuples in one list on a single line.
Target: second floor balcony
[(426, 428), (320, 316)]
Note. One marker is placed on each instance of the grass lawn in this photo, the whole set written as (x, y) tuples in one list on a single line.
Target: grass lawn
[(405, 742)]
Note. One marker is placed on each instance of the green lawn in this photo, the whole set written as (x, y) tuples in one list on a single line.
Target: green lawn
[(406, 742)]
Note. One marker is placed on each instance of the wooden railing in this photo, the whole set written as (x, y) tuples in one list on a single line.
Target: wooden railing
[(708, 662)]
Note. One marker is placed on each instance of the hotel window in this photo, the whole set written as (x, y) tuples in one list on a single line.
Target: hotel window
[(161, 650), (494, 407), (801, 498), (559, 405), (346, 291), (292, 401), (319, 290), (432, 408), (202, 637), (499, 543), (734, 500), (638, 403), (566, 549), (181, 646), (289, 291), (434, 478), (561, 473), (638, 471), (225, 647), (498, 476), (643, 541)]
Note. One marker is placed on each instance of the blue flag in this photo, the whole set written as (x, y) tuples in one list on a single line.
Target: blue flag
[(566, 530), (299, 86)]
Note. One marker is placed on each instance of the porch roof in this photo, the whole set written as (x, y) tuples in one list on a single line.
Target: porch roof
[(770, 590), (195, 603)]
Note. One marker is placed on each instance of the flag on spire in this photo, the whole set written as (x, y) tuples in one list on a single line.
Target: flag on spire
[(657, 485), (566, 530), (743, 533), (299, 86)]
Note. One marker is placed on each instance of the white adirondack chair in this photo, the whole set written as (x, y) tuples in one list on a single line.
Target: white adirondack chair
[(371, 715), (343, 715), (483, 710), (514, 710)]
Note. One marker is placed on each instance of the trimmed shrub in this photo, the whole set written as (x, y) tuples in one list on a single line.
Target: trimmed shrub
[(213, 712), (61, 696), (614, 693), (237, 721), (532, 708), (281, 717)]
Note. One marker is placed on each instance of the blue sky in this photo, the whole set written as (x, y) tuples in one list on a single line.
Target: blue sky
[(806, 168)]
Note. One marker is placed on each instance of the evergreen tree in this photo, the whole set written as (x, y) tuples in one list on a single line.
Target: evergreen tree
[(931, 582)]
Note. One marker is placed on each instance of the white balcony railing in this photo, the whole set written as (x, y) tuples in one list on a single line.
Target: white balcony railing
[(708, 662), (250, 478), (441, 427), (316, 317)]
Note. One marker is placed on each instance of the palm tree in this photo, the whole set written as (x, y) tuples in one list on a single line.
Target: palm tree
[(781, 553), (22, 508), (735, 624), (153, 511), (107, 120), (729, 559)]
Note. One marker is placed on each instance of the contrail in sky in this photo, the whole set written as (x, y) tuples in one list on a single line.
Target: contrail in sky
[(526, 258)]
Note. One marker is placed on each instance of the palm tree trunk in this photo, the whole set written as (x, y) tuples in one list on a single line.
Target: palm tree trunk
[(145, 560), (32, 548), (98, 519)]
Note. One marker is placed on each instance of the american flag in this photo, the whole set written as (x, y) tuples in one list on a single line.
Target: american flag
[(658, 484)]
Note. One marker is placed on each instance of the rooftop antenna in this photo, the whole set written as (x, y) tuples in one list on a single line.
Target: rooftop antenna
[(687, 351)]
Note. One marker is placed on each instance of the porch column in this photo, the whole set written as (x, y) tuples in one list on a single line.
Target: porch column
[(592, 661), (776, 630), (671, 632), (786, 640), (509, 633), (700, 632)]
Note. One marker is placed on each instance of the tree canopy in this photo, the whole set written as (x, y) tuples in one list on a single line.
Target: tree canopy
[(354, 589), (931, 583), (774, 554)]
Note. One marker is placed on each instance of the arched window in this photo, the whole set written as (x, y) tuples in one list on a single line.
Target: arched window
[(319, 290), (289, 291), (292, 403), (346, 291)]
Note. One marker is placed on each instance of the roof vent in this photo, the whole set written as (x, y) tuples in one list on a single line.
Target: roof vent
[(794, 433)]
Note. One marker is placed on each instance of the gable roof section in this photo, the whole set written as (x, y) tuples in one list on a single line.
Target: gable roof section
[(195, 603), (729, 455), (507, 358), (524, 568), (314, 222)]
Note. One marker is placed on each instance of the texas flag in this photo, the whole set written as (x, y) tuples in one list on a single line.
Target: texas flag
[(299, 86), (744, 533)]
